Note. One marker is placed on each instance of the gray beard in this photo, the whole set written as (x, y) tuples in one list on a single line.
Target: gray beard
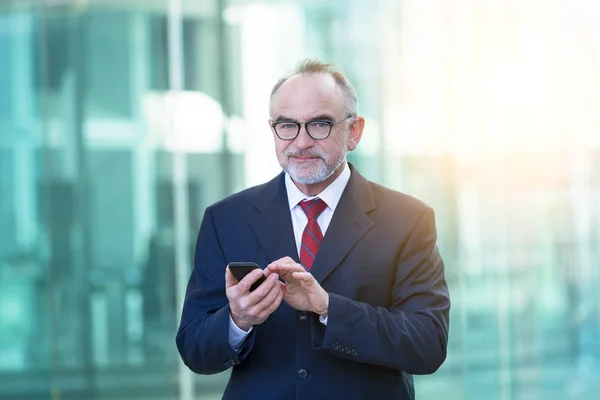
[(322, 172)]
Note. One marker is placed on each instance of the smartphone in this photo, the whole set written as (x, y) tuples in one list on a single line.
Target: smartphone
[(241, 269)]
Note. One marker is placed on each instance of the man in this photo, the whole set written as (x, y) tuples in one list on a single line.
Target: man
[(355, 299)]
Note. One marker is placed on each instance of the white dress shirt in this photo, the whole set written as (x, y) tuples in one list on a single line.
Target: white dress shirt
[(331, 195)]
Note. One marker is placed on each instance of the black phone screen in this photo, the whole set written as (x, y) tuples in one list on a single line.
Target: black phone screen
[(241, 269)]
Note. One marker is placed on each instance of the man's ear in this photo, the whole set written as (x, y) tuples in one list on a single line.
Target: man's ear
[(356, 131)]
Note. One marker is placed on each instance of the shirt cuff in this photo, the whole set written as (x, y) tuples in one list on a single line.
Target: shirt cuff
[(237, 336), (322, 319)]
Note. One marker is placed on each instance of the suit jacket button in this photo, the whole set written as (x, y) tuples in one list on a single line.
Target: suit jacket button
[(302, 316), (302, 373), (336, 345), (354, 352), (347, 350)]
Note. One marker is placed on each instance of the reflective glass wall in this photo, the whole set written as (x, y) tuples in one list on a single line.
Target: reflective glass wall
[(120, 121)]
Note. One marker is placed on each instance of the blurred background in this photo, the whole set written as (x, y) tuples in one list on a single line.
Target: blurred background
[(121, 120)]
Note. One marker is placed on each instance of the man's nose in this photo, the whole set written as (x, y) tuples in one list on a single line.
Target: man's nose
[(303, 140)]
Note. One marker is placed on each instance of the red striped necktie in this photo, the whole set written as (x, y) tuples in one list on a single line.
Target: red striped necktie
[(312, 235)]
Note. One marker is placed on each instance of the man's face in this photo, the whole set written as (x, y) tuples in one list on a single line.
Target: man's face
[(304, 98)]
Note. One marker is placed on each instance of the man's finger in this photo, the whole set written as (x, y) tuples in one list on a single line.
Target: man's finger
[(276, 303), (249, 279), (270, 296), (285, 267), (229, 278), (303, 276), (268, 272), (263, 289), (267, 300), (286, 259)]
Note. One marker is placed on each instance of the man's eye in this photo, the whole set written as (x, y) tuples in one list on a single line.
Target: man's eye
[(287, 125), (320, 124)]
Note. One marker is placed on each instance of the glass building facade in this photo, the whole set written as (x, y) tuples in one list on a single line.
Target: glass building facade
[(120, 121)]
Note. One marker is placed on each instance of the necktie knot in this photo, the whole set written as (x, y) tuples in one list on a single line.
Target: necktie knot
[(313, 208)]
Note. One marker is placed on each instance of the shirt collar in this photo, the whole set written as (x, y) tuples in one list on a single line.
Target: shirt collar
[(331, 195)]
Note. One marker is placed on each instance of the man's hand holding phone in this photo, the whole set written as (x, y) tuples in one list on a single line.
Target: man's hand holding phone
[(252, 307)]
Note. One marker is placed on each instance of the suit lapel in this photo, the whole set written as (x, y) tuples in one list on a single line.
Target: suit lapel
[(273, 223), (348, 225)]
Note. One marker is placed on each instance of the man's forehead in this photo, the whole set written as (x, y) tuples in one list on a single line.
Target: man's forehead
[(321, 110), (309, 105), (311, 93)]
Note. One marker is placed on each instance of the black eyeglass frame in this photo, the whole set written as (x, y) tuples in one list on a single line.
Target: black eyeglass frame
[(330, 123)]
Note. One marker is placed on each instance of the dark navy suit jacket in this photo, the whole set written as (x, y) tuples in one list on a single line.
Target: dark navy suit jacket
[(388, 310)]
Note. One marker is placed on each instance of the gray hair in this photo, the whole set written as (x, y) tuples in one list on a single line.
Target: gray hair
[(314, 67)]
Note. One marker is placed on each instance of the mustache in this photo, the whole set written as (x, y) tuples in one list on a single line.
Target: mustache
[(297, 153)]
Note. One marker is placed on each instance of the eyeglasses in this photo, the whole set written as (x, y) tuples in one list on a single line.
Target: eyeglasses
[(316, 129)]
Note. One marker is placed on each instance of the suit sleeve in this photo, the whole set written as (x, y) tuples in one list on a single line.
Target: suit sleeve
[(203, 335), (412, 334)]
